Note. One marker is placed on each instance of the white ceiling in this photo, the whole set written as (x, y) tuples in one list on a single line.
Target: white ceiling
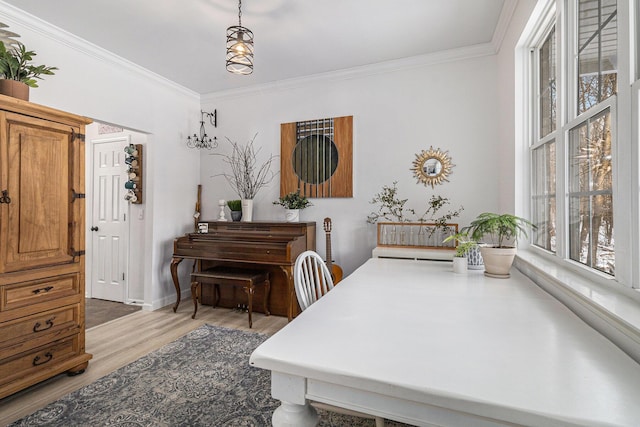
[(184, 40)]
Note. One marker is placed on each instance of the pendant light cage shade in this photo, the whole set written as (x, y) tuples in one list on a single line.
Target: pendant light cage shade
[(239, 50)]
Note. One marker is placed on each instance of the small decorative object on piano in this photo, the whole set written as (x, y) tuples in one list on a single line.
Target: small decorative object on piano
[(203, 227), (221, 204)]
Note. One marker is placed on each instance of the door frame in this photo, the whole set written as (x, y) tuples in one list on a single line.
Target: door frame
[(89, 218)]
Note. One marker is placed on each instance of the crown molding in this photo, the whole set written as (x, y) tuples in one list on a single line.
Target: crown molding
[(508, 9), (78, 44), (475, 51)]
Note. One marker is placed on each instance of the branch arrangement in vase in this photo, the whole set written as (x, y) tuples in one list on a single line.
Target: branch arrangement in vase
[(246, 177), (392, 208)]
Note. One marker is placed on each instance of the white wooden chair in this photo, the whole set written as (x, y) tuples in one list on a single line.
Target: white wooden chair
[(312, 279)]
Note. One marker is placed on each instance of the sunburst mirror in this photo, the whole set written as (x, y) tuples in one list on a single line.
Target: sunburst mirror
[(432, 167)]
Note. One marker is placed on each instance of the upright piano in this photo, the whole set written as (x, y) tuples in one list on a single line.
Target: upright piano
[(273, 246)]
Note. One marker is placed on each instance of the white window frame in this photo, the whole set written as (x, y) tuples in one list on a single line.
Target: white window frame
[(625, 158)]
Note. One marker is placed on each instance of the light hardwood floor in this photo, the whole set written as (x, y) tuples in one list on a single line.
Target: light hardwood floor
[(123, 340)]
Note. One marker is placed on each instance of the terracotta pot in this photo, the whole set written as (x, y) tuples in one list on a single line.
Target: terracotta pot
[(497, 261), (14, 89)]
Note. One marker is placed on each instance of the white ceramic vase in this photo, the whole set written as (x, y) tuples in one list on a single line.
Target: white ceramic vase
[(247, 210), (459, 265), (292, 215)]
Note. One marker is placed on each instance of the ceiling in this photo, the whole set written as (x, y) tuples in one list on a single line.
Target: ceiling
[(184, 40)]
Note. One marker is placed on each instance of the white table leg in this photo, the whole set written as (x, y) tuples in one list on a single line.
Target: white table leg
[(294, 410), (293, 415)]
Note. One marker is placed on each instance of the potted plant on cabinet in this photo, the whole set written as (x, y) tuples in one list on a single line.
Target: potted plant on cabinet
[(464, 245), (503, 229), (17, 73), (293, 203), (235, 206)]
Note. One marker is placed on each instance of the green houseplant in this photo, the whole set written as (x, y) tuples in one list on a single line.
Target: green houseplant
[(235, 206), (293, 203), (16, 66), (463, 246), (503, 231)]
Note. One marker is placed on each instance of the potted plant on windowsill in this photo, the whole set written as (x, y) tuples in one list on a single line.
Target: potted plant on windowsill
[(293, 203), (502, 229), (464, 245), (17, 73)]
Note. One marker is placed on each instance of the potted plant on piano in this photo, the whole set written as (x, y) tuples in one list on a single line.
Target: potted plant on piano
[(503, 231), (235, 206), (293, 203)]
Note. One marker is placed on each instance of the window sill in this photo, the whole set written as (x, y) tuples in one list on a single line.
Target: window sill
[(614, 312)]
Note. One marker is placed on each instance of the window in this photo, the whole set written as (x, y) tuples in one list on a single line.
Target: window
[(572, 142), (544, 151), (590, 195), (597, 52), (544, 196)]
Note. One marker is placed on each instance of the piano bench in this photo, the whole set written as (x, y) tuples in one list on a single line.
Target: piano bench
[(245, 278)]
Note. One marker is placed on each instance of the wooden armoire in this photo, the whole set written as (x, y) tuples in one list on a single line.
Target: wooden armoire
[(42, 240)]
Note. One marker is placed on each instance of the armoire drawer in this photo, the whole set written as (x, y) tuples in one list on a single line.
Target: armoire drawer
[(41, 358), (33, 331), (23, 294)]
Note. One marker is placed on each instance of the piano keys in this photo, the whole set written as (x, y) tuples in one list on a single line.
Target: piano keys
[(270, 245)]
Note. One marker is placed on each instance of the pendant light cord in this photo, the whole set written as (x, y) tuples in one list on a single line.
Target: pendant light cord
[(240, 13)]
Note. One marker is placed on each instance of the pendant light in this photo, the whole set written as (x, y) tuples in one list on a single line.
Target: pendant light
[(239, 47)]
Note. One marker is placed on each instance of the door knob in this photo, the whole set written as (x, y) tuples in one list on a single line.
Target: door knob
[(94, 228)]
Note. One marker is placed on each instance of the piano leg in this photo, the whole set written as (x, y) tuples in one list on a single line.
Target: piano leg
[(174, 275), (288, 273)]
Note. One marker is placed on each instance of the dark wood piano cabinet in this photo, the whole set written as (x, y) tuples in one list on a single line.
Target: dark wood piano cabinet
[(271, 245)]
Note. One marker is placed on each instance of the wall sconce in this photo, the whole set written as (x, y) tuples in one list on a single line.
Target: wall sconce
[(204, 141)]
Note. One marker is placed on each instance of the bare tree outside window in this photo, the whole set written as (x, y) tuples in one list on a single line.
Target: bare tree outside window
[(590, 194)]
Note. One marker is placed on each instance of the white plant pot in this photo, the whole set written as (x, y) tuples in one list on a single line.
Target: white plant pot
[(247, 210), (497, 261), (459, 265), (292, 215)]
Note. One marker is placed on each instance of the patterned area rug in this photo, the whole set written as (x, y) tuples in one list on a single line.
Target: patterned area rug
[(202, 379)]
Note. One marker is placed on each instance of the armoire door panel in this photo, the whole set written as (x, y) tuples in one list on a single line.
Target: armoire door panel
[(40, 184)]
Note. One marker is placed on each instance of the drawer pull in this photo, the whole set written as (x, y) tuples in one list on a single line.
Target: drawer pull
[(45, 289), (49, 323), (48, 356)]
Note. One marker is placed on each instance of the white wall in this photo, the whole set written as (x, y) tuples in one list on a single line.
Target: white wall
[(96, 84), (511, 156), (464, 106), (397, 114)]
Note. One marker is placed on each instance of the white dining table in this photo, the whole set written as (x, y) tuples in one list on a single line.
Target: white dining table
[(413, 342)]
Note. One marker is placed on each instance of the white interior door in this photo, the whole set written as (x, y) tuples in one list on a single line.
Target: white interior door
[(109, 227)]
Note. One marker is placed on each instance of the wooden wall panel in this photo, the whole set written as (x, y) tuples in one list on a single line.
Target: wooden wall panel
[(340, 184)]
